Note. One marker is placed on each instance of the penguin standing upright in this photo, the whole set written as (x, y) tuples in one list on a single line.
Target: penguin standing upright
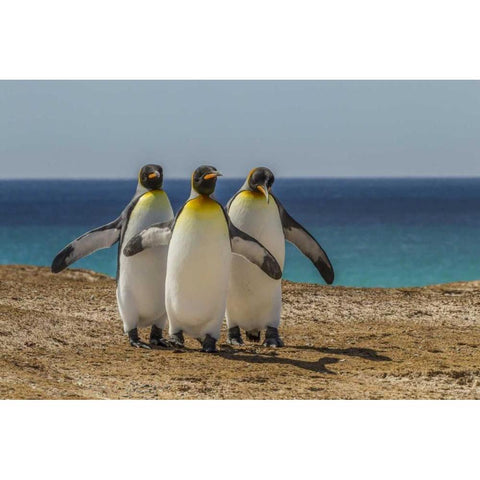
[(140, 280), (201, 242), (254, 300)]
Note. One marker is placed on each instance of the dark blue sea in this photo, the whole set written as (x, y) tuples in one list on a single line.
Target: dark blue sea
[(377, 232)]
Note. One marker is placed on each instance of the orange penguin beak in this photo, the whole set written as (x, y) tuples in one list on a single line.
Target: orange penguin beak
[(264, 190), (208, 176)]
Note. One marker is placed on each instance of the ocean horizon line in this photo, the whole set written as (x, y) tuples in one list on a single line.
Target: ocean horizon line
[(278, 177)]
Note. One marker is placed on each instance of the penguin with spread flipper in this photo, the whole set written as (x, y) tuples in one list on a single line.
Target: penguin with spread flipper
[(140, 280), (254, 300), (201, 241)]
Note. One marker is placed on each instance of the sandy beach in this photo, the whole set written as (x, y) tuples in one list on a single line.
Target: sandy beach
[(62, 338)]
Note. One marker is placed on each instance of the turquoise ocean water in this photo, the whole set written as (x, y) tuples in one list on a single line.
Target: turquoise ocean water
[(377, 232)]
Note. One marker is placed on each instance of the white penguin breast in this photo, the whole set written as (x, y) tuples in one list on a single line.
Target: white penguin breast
[(198, 268), (251, 213), (152, 207), (142, 276), (254, 299)]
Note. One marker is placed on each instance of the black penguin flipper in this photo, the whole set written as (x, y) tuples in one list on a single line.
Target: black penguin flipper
[(252, 250), (155, 235), (297, 235), (101, 237)]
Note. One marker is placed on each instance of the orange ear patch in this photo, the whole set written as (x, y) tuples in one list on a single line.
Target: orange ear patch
[(251, 173)]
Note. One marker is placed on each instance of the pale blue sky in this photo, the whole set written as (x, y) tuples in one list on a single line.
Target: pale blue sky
[(99, 129)]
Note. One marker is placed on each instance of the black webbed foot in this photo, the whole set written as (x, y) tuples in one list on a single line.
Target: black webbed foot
[(176, 340), (272, 338), (156, 338), (253, 335), (135, 340), (234, 336), (209, 344)]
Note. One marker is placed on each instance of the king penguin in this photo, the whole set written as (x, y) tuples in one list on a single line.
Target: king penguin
[(254, 300), (140, 280), (201, 241)]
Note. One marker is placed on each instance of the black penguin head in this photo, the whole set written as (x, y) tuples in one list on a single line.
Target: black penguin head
[(151, 177), (261, 179), (204, 179)]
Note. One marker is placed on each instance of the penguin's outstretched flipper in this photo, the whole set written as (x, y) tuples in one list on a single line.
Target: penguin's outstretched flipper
[(297, 235), (101, 237), (154, 236), (252, 250)]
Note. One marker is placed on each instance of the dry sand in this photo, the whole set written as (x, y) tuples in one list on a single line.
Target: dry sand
[(61, 338)]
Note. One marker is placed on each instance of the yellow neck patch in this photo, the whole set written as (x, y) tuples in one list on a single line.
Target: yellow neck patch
[(255, 195), (153, 199), (203, 205), (252, 200)]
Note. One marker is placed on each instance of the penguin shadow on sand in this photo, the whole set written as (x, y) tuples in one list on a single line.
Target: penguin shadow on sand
[(366, 353), (274, 357), (319, 366)]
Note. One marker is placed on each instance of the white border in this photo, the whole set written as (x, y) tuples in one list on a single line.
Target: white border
[(302, 39), (240, 439), (225, 40)]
